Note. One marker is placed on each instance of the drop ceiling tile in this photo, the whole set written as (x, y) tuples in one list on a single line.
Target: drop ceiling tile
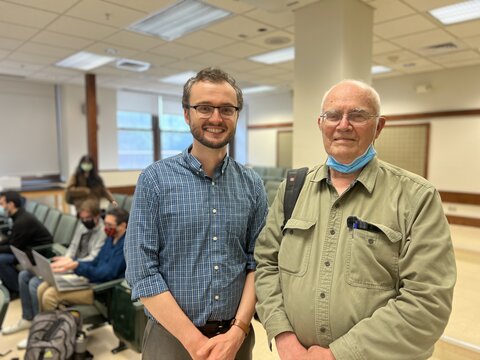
[(102, 48), (389, 9), (466, 29), (240, 27), (287, 65), (473, 41), (45, 50), (381, 47), (17, 14), (176, 50), (205, 40), (129, 39), (428, 38), (33, 59), (403, 26), (463, 63), (268, 70), (49, 5), (67, 25), (147, 6), (279, 20), (9, 44), (415, 66), (457, 56), (105, 13), (185, 65), (290, 29), (394, 57), (242, 65), (240, 50), (211, 59), (288, 76), (4, 53), (273, 40), (23, 67), (57, 39), (234, 6), (425, 5), (16, 31), (155, 60)]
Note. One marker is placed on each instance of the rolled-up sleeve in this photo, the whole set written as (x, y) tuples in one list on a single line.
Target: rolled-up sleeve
[(142, 242)]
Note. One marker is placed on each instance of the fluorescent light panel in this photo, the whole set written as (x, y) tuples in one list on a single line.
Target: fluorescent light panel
[(85, 61), (452, 14), (178, 79), (379, 69), (257, 89), (275, 57), (179, 19)]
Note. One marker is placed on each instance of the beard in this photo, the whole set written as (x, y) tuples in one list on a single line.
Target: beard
[(198, 134)]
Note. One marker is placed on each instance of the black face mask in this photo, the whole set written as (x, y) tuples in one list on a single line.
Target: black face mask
[(89, 224)]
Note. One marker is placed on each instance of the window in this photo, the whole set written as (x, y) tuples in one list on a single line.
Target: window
[(174, 135), (135, 140)]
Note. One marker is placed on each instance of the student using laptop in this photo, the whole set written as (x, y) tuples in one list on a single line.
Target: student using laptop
[(86, 244), (108, 265)]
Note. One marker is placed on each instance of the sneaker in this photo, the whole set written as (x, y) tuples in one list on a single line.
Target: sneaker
[(21, 325), (22, 345)]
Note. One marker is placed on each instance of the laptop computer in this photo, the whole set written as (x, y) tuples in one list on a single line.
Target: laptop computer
[(23, 259), (62, 282)]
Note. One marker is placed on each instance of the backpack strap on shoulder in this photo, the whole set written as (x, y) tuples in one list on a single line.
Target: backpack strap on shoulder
[(294, 183)]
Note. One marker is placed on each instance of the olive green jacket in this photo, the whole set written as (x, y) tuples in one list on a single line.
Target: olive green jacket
[(378, 288)]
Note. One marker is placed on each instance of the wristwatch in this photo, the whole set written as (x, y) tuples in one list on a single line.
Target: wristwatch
[(244, 327)]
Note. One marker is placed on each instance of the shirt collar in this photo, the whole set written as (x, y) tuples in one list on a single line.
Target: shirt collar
[(367, 177), (196, 165)]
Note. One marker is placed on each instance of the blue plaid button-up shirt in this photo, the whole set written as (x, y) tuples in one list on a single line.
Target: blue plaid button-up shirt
[(193, 235)]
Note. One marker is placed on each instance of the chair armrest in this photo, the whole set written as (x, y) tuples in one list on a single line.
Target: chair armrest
[(97, 288), (50, 250)]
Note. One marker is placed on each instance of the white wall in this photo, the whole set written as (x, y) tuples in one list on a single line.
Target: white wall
[(266, 109), (28, 129)]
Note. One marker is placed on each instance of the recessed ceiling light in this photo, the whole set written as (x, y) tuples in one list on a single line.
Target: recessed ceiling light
[(179, 19), (459, 12), (178, 79), (380, 69), (257, 89), (275, 57), (85, 61)]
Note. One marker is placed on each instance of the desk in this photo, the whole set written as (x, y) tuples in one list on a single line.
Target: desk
[(55, 191)]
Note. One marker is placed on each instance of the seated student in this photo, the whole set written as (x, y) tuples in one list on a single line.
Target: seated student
[(108, 265), (26, 233), (85, 245)]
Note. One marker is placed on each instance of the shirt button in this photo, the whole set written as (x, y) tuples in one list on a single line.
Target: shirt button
[(327, 263), (216, 267), (332, 232), (291, 231), (322, 329), (217, 297), (214, 211), (215, 238), (370, 241), (322, 295), (213, 182)]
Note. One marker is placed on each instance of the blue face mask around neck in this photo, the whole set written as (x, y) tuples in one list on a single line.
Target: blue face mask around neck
[(355, 165)]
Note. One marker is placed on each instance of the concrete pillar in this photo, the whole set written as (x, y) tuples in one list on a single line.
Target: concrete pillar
[(333, 41)]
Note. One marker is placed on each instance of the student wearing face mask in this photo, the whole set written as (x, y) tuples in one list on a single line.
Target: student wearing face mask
[(85, 245), (26, 232), (108, 265), (85, 183)]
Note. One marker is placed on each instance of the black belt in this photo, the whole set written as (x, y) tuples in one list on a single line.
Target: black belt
[(215, 327)]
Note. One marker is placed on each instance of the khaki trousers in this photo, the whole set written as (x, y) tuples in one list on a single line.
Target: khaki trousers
[(158, 343), (49, 298)]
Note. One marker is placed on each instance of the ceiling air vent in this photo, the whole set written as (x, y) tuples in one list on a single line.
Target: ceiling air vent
[(132, 65), (440, 48)]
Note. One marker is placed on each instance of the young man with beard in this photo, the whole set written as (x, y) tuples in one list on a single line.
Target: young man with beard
[(194, 221)]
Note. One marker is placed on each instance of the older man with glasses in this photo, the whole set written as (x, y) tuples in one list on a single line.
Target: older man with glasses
[(194, 221), (364, 268)]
